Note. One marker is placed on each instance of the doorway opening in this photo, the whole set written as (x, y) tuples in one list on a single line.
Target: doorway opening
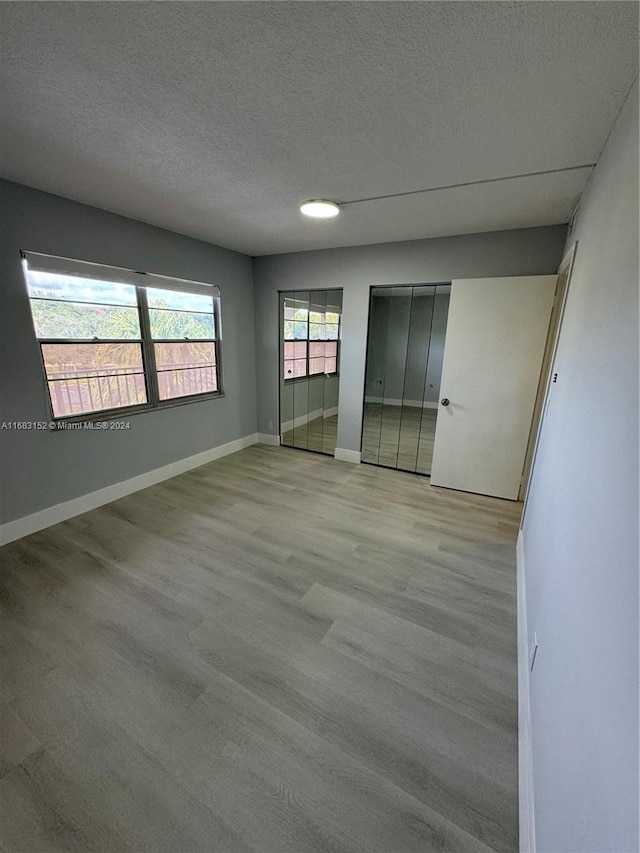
[(548, 376), (310, 333), (405, 349)]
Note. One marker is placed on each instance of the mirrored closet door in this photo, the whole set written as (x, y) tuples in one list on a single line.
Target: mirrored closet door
[(310, 326), (407, 327)]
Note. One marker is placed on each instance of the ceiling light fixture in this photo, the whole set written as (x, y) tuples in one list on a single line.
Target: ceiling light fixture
[(319, 208)]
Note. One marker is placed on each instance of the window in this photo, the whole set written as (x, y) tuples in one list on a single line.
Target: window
[(114, 339), (311, 338)]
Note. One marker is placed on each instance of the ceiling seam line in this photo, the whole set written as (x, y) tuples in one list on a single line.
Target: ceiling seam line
[(620, 109), (468, 184)]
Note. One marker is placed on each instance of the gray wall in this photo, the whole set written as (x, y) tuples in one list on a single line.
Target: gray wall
[(402, 344), (581, 532), (39, 469), (532, 251)]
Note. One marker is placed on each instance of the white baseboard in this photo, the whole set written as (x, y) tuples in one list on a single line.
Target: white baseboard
[(267, 438), (343, 455), (301, 420), (525, 752), (390, 401), (61, 512)]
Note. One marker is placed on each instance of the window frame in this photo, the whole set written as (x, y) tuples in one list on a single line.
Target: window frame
[(142, 281), (307, 375), (337, 341)]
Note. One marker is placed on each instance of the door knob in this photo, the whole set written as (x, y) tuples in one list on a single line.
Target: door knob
[(445, 401)]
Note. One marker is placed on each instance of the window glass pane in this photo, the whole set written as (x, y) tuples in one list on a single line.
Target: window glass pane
[(288, 369), (82, 394), (332, 317), (316, 317), (54, 319), (316, 332), (295, 350), (295, 330), (197, 303), (299, 367), (316, 365), (300, 331), (331, 332), (75, 289), (289, 312), (301, 314), (330, 365), (331, 348), (192, 354), (180, 324), (184, 383), (98, 363), (316, 350), (62, 361)]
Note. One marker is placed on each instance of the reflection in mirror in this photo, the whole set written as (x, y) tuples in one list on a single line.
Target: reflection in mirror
[(317, 335), (286, 413), (399, 316), (310, 335), (433, 375), (301, 388), (412, 411), (407, 325), (289, 352), (374, 375), (331, 374)]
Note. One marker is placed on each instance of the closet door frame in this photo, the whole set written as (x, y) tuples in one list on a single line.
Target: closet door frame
[(282, 295), (389, 286)]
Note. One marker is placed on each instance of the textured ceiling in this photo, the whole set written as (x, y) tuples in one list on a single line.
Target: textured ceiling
[(216, 119)]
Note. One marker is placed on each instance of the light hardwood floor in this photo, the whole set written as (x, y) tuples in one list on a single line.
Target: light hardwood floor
[(399, 437), (277, 653)]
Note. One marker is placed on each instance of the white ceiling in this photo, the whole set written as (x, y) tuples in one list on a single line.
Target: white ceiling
[(217, 119)]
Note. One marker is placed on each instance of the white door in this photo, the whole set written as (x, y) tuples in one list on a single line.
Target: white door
[(496, 334)]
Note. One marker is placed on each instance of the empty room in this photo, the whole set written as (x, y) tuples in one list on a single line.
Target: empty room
[(319, 427)]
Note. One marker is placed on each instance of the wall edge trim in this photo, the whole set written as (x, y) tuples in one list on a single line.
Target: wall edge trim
[(525, 746)]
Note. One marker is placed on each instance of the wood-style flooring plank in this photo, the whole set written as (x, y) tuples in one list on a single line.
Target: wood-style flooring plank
[(274, 653)]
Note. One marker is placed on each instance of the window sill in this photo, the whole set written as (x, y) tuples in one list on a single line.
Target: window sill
[(294, 379), (121, 413)]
